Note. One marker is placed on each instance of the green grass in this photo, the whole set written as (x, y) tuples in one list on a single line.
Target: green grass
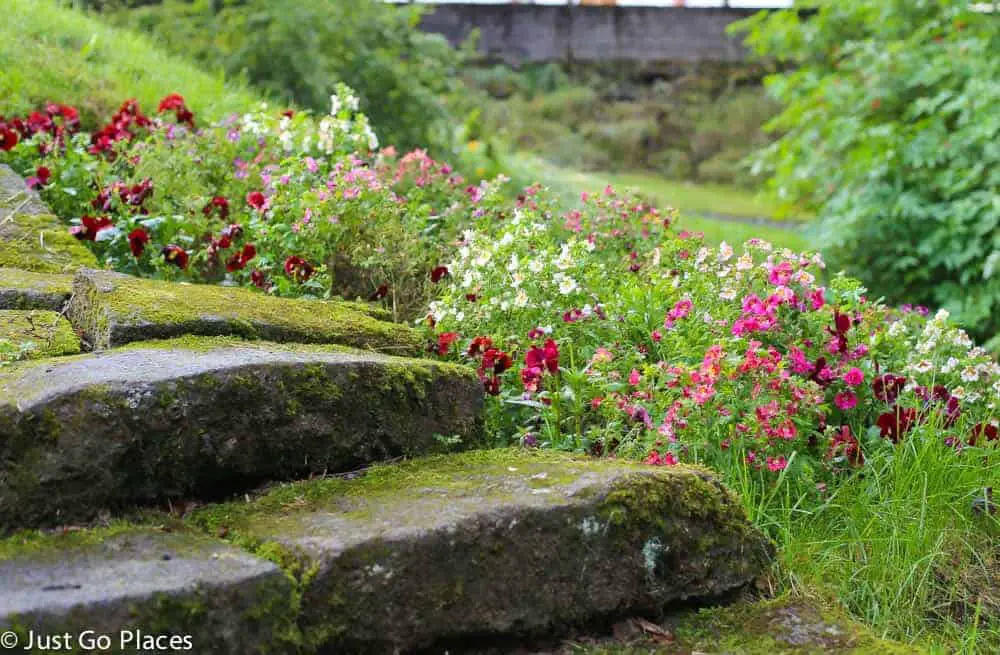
[(49, 53), (694, 201)]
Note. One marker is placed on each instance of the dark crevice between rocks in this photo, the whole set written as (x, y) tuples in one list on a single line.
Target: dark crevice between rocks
[(553, 640)]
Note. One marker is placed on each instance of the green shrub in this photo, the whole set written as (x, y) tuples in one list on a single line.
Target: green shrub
[(298, 51), (891, 129)]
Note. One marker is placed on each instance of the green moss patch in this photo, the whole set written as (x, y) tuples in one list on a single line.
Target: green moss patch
[(34, 334), (113, 309), (41, 243), (28, 290)]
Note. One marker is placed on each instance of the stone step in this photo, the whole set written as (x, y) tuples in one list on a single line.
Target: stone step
[(111, 309), (26, 290), (209, 416), (133, 585), (30, 334), (438, 553), (31, 238)]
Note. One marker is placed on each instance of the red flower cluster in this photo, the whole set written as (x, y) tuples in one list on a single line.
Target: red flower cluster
[(438, 273), (40, 178), (536, 362), (298, 269), (493, 363), (57, 121), (123, 126), (219, 204), (175, 103), (257, 200)]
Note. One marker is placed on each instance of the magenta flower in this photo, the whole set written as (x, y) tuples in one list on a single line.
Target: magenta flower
[(854, 377), (845, 400)]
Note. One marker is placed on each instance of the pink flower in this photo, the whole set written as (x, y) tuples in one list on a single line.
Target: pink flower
[(634, 377), (854, 377), (775, 464), (656, 336), (845, 400)]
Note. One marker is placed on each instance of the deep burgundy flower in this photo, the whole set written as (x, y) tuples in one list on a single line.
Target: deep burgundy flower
[(219, 204), (438, 273), (40, 178), (496, 360), (894, 424), (989, 431), (90, 226), (381, 292), (259, 279), (240, 259), (298, 269), (288, 113), (175, 255), (137, 240), (491, 385), (887, 387), (257, 200), (8, 138)]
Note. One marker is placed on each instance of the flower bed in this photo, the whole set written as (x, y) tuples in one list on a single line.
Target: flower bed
[(602, 329)]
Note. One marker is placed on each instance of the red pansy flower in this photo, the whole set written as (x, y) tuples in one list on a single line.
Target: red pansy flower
[(137, 240), (479, 345), (90, 226), (298, 269), (887, 387), (380, 293), (445, 339), (175, 103), (893, 425), (989, 431), (259, 279), (40, 178), (175, 255), (438, 273), (8, 138)]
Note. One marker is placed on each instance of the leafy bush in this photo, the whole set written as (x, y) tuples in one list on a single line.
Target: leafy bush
[(276, 200), (891, 127), (298, 51)]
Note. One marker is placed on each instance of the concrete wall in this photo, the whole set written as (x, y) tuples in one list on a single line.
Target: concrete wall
[(646, 35)]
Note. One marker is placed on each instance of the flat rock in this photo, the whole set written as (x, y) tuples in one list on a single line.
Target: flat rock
[(207, 416), (34, 333), (27, 290), (31, 238), (140, 584), (111, 309), (457, 549)]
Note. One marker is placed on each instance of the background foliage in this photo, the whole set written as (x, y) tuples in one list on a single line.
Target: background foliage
[(891, 128), (298, 51)]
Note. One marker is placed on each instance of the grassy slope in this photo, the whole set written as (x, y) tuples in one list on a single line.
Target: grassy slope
[(50, 53), (693, 200)]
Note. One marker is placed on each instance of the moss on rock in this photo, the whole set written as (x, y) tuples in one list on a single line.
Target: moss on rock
[(35, 333), (145, 423), (113, 309), (493, 543), (27, 290)]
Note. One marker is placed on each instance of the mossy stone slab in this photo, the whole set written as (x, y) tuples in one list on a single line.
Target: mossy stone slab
[(112, 309), (136, 583), (204, 417), (31, 334), (31, 238), (28, 290), (491, 544)]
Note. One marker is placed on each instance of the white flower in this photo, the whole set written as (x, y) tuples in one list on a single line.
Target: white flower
[(701, 256), (590, 246), (521, 300), (745, 262), (514, 264), (960, 338), (970, 374), (517, 279), (728, 294), (972, 396), (565, 259), (459, 316), (483, 259), (942, 315), (567, 285), (506, 239), (923, 366), (958, 392), (896, 328), (949, 365), (536, 266), (725, 252)]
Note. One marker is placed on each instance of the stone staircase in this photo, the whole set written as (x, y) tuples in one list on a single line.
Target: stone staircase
[(175, 476)]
